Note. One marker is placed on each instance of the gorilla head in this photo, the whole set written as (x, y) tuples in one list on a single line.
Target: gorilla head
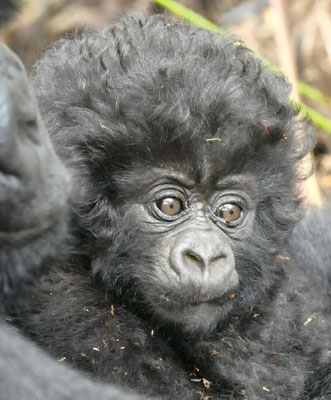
[(184, 154)]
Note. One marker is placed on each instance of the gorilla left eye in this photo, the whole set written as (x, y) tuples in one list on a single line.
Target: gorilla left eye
[(170, 206), (229, 212)]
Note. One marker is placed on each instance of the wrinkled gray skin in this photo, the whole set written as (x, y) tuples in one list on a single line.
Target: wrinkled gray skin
[(34, 190)]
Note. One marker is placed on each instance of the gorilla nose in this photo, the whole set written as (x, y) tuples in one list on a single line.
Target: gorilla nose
[(202, 258), (199, 252)]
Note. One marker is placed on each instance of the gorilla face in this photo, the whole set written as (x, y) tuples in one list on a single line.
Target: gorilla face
[(178, 253), (183, 174)]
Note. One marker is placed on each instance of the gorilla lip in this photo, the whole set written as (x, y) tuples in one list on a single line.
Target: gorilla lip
[(212, 301)]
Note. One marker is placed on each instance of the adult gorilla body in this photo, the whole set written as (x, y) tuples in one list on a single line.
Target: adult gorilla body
[(34, 189), (184, 155)]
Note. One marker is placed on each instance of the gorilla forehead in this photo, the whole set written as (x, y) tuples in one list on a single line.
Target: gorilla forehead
[(205, 161), (139, 180)]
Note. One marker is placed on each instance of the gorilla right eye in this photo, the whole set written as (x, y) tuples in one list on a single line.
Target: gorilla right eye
[(170, 206)]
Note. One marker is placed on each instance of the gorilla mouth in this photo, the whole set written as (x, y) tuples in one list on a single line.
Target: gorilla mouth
[(170, 301), (214, 301), (198, 315)]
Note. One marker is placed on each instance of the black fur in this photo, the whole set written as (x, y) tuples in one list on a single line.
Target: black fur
[(28, 373), (149, 95)]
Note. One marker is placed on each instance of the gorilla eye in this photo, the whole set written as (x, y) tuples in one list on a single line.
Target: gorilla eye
[(229, 212), (170, 206)]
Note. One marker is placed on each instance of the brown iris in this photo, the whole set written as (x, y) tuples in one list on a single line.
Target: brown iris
[(229, 212), (170, 206)]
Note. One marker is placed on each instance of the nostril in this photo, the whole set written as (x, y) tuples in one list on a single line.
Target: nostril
[(193, 257), (217, 258)]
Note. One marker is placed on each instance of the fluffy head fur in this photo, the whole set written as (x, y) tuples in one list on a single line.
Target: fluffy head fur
[(152, 93)]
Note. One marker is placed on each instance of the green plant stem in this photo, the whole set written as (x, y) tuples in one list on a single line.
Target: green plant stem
[(304, 89), (189, 15)]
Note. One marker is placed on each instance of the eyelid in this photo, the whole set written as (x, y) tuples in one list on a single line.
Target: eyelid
[(166, 189), (176, 193), (232, 197)]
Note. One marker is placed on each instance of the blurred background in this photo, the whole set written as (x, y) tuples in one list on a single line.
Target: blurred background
[(293, 34)]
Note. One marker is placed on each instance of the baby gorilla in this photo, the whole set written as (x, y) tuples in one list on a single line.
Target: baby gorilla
[(184, 280)]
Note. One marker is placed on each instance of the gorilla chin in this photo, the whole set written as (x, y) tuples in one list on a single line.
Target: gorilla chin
[(195, 320), (194, 317)]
